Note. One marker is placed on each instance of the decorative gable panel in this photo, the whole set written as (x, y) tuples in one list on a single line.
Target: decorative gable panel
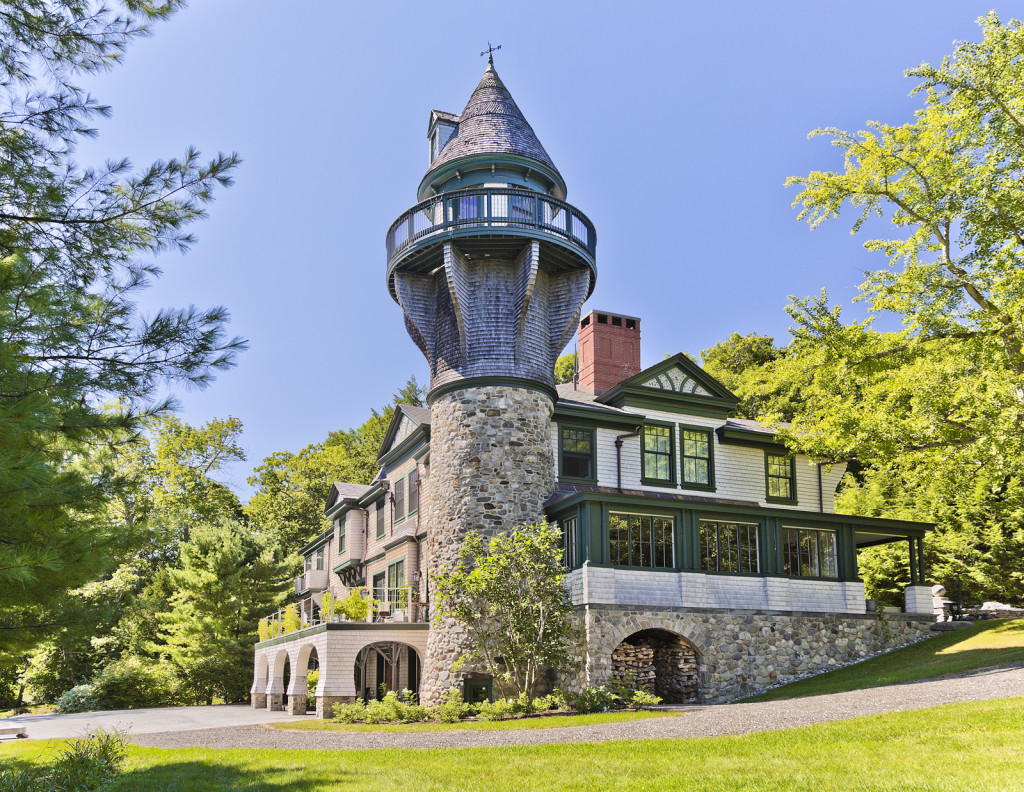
[(676, 380), (405, 428)]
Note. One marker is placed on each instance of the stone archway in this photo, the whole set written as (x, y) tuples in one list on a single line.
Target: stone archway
[(258, 694), (299, 691), (663, 663), (395, 665)]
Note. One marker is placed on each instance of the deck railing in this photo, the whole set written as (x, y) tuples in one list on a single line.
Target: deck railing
[(491, 207), (387, 605)]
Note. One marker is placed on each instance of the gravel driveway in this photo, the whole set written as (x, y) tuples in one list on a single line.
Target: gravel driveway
[(696, 721)]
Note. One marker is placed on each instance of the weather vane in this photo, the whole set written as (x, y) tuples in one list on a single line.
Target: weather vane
[(489, 52)]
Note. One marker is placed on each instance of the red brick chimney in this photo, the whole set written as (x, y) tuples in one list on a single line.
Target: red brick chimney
[(609, 350)]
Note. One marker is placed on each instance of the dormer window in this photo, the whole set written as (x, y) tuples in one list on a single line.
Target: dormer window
[(441, 131)]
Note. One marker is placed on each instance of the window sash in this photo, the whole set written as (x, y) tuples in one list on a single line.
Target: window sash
[(727, 546), (569, 548), (577, 450), (381, 519), (696, 448), (320, 560), (657, 453), (414, 492), (639, 540), (399, 500), (809, 552), (780, 477)]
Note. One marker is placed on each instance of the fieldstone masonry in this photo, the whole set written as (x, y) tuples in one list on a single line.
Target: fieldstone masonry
[(742, 652), (491, 468)]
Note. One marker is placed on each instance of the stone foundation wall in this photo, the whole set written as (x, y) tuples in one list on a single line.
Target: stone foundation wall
[(741, 653), (491, 468)]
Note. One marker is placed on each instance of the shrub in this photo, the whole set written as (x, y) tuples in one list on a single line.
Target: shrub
[(555, 700), (85, 765), (590, 699), (326, 607), (642, 699), (453, 709), (501, 709), (350, 713), (81, 698), (290, 622), (312, 680), (354, 607), (133, 682), (623, 686)]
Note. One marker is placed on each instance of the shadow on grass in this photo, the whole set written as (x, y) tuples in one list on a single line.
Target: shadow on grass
[(200, 776)]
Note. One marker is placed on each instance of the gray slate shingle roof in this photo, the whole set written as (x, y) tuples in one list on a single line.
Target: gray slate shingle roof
[(347, 490), (420, 415), (492, 124)]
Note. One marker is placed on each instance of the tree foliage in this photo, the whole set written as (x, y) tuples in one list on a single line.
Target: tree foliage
[(565, 368), (508, 594), (73, 247), (291, 488), (933, 412)]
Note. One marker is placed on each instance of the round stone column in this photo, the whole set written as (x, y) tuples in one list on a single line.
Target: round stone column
[(491, 469)]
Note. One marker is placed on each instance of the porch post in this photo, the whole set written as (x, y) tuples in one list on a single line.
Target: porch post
[(913, 563)]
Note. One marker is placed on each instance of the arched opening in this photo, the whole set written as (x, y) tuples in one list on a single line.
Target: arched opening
[(282, 671), (662, 663), (308, 664), (386, 666)]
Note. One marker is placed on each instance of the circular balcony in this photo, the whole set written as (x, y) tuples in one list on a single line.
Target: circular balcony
[(491, 222)]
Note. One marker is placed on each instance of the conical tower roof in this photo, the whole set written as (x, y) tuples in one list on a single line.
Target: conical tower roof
[(492, 123)]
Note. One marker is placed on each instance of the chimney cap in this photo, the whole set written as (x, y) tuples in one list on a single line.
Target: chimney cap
[(609, 313)]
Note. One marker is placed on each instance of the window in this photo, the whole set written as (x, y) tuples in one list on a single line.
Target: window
[(414, 492), (569, 557), (309, 563), (396, 580), (728, 547), (341, 534), (641, 540), (381, 519), (379, 587), (780, 475), (809, 552), (399, 504), (577, 452), (320, 560), (697, 449), (658, 461)]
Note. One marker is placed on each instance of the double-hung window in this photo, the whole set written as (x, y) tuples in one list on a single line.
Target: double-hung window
[(697, 457), (341, 534), (658, 455), (396, 581), (414, 492), (381, 517), (640, 540), (577, 453), (809, 552), (320, 560), (399, 504), (780, 477), (728, 547)]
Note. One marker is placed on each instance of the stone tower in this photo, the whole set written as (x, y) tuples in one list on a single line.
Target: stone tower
[(491, 268)]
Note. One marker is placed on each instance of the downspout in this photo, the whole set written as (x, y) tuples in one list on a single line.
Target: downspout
[(618, 455)]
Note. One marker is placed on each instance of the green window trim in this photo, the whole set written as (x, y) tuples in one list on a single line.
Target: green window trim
[(779, 468), (658, 447), (729, 546), (641, 541), (809, 552), (381, 518), (687, 444), (414, 491), (398, 502), (573, 442), (395, 581), (569, 541)]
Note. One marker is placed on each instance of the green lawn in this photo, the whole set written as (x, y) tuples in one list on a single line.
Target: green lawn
[(965, 747), (546, 722), (986, 644)]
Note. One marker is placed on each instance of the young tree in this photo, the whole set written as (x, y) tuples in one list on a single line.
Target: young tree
[(225, 584), (73, 244), (508, 594)]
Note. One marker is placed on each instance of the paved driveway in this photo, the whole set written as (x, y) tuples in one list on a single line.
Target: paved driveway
[(149, 721)]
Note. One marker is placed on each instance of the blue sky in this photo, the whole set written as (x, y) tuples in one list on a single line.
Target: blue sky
[(673, 124)]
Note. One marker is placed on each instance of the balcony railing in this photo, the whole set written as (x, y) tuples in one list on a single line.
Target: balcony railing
[(388, 605), (492, 208)]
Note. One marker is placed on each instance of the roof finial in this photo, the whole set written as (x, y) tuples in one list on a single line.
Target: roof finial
[(489, 52)]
